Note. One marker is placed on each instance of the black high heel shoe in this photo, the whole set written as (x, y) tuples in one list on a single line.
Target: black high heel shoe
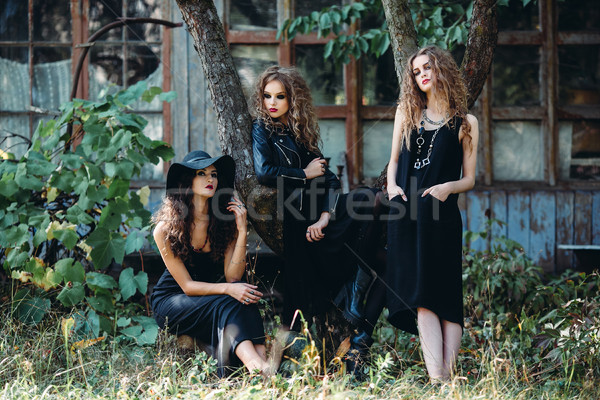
[(352, 297)]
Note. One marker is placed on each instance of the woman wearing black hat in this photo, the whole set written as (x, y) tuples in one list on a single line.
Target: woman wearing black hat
[(201, 235)]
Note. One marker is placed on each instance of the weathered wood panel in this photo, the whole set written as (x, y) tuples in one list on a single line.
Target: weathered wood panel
[(180, 109), (565, 202), (542, 235), (499, 208), (518, 218), (583, 218), (478, 202), (596, 218)]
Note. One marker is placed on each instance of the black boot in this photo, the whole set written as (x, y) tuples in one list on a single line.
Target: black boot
[(358, 354), (352, 298)]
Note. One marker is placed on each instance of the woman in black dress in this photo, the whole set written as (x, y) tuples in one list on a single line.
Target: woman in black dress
[(201, 235), (330, 239), (434, 138)]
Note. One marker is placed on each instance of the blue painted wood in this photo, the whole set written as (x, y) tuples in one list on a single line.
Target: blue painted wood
[(565, 202), (498, 205), (596, 217), (542, 234), (518, 218), (583, 217), (477, 204)]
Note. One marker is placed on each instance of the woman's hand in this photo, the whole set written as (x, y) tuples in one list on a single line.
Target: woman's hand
[(315, 168), (395, 190), (239, 210), (314, 233), (244, 292), (440, 192)]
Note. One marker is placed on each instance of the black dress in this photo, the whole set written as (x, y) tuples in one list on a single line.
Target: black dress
[(314, 272), (219, 321), (425, 235)]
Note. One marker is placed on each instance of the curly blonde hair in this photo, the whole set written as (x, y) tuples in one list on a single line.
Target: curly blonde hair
[(177, 213), (301, 116), (449, 87)]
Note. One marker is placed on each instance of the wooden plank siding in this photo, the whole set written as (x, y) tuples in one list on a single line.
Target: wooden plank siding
[(542, 234), (539, 220), (565, 203)]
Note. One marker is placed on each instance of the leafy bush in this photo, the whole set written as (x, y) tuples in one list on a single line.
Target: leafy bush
[(67, 213), (500, 283)]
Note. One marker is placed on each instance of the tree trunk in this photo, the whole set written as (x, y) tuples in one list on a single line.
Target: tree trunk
[(233, 118), (481, 43), (403, 35)]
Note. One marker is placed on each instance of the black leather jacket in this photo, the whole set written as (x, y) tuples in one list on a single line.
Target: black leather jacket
[(277, 157)]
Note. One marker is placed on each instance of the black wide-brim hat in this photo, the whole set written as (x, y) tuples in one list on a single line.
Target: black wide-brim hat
[(199, 159)]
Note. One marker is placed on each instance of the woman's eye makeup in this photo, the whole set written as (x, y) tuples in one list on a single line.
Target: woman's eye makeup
[(200, 173), (267, 96), (281, 96)]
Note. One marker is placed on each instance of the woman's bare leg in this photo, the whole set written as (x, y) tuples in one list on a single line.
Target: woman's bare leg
[(432, 343), (261, 350), (452, 333), (252, 360)]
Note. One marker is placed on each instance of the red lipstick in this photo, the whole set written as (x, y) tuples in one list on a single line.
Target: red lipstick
[(272, 109), (209, 187)]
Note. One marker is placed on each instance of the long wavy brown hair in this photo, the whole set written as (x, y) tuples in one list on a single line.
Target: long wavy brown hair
[(177, 213), (301, 116), (449, 87)]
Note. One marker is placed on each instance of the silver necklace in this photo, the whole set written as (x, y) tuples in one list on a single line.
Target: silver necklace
[(436, 123), (421, 141)]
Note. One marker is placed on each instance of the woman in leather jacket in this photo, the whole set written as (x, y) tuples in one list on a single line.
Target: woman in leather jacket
[(329, 251)]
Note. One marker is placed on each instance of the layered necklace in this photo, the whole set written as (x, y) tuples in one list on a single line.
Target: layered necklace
[(421, 141)]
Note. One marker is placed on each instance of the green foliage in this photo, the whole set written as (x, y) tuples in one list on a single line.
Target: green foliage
[(440, 22), (501, 282), (67, 213)]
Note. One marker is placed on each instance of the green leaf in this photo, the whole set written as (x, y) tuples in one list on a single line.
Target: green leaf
[(118, 188), (328, 49), (32, 310), (76, 215), (130, 120), (112, 215), (121, 139), (324, 21), (168, 96), (126, 283), (40, 235), (25, 181), (7, 186), (70, 271), (151, 93), (17, 259), (97, 280), (122, 169), (102, 302), (132, 93), (135, 241), (72, 161), (71, 295), (141, 281), (106, 246), (95, 128), (67, 236), (150, 333), (17, 235)]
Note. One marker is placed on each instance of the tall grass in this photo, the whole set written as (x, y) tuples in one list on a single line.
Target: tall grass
[(37, 363)]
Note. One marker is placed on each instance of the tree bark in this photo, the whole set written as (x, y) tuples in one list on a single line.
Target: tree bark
[(233, 118), (480, 47), (403, 35)]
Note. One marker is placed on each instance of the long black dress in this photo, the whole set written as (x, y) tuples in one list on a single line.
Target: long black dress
[(425, 235), (314, 272), (219, 321)]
